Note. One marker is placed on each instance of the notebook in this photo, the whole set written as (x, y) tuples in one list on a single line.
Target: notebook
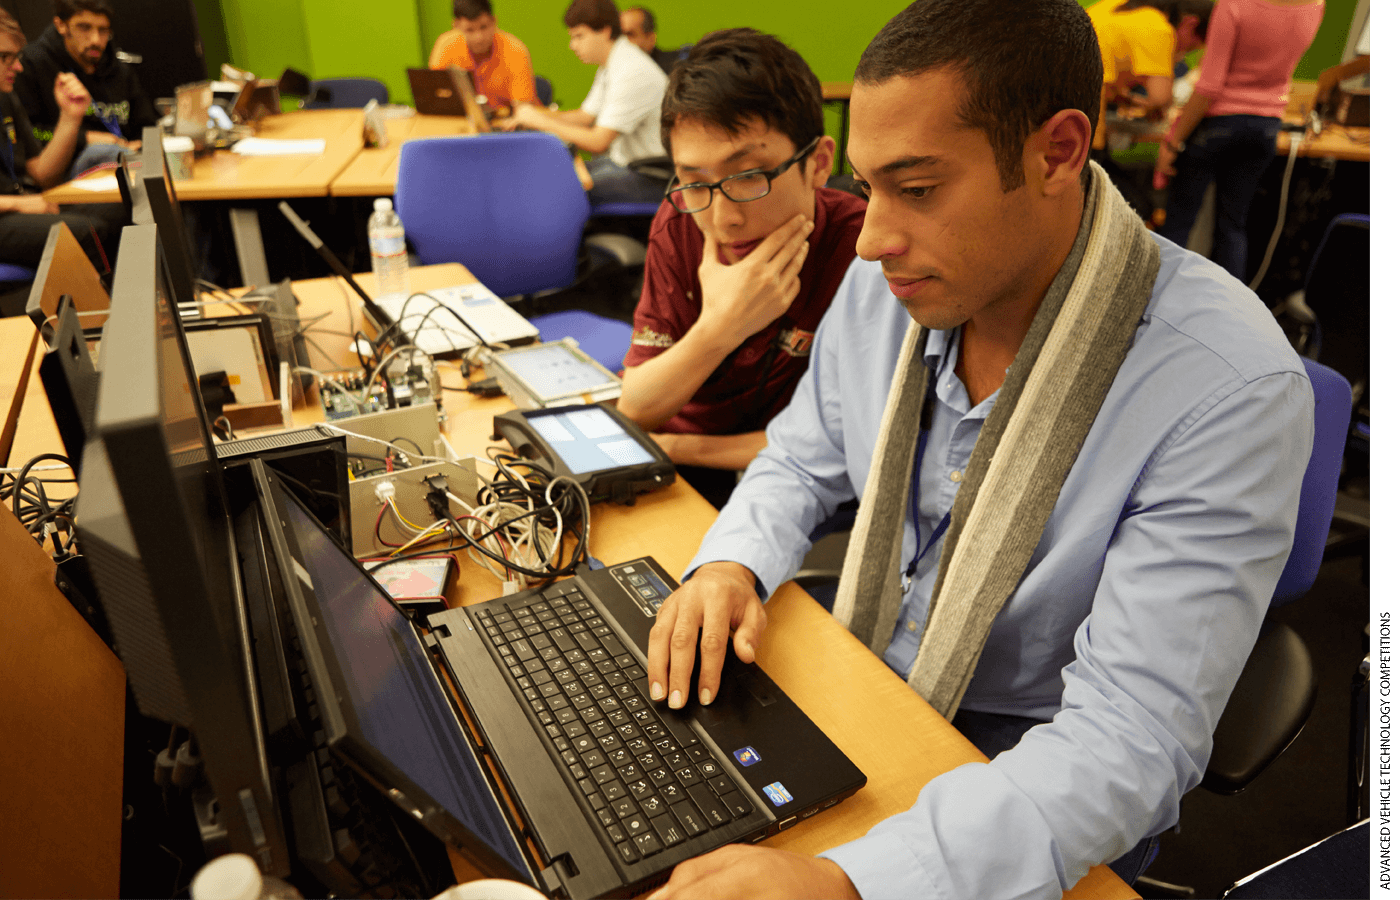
[(432, 320), (600, 791)]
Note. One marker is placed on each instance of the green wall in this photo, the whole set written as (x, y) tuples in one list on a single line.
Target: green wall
[(380, 38)]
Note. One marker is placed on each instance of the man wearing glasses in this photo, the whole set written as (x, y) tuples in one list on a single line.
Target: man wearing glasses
[(743, 258)]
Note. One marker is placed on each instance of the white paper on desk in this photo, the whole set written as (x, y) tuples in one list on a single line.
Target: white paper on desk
[(98, 183), (254, 146)]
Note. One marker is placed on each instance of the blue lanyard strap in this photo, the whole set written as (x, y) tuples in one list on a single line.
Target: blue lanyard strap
[(906, 580), (110, 121)]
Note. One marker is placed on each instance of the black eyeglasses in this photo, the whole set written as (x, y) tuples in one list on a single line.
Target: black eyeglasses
[(740, 187)]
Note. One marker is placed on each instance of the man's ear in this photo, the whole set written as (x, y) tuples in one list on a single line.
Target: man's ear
[(1059, 150), (822, 161), (61, 25)]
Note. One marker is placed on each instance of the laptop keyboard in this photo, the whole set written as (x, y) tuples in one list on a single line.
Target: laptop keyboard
[(639, 770)]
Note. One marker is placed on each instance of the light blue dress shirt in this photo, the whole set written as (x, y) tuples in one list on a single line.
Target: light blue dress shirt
[(1140, 604)]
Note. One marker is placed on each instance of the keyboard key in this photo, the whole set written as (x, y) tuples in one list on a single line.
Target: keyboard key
[(563, 640), (737, 803), (667, 829), (628, 852), (578, 628), (624, 808), (603, 774), (647, 843), (625, 690), (606, 816), (661, 776), (667, 746), (671, 793), (629, 772), (573, 688), (587, 786), (578, 771), (688, 776), (614, 678), (569, 757), (609, 704), (614, 790), (587, 643), (591, 680), (532, 630), (564, 715), (721, 785), (541, 678), (628, 731), (590, 715), (585, 742), (689, 818), (640, 789), (705, 800), (616, 833), (620, 757), (575, 656), (698, 753), (596, 801), (558, 702), (534, 665), (600, 728), (574, 730), (675, 760), (707, 767), (612, 645), (593, 758), (652, 806), (635, 825), (558, 665)]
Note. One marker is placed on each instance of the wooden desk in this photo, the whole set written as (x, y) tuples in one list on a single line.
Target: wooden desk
[(225, 175), (887, 730), (1333, 142), (375, 170)]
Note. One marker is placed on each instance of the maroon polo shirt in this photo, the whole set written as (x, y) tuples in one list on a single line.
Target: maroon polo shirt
[(757, 380)]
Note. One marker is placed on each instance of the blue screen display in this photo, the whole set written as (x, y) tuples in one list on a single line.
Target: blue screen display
[(393, 691), (588, 440)]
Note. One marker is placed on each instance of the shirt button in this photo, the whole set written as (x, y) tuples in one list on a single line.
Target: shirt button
[(956, 477), (911, 626)]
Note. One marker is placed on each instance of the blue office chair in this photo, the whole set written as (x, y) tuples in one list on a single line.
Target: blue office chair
[(544, 89), (507, 206), (510, 208), (345, 93), (14, 288)]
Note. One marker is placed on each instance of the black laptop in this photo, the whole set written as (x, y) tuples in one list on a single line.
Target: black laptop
[(563, 773)]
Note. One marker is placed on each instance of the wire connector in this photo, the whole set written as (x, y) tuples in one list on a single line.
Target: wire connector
[(384, 491)]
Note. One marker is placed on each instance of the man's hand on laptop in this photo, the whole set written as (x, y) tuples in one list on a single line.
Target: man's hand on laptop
[(756, 873), (747, 284), (717, 600)]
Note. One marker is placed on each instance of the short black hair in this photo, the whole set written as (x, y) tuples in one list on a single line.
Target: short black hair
[(1176, 10), (471, 9), (737, 76), (595, 14), (648, 19), (1021, 62), (67, 9)]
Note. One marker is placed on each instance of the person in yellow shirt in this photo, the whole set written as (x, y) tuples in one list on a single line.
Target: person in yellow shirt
[(1141, 40), (499, 63)]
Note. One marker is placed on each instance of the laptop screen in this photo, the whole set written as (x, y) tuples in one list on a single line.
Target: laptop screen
[(392, 691)]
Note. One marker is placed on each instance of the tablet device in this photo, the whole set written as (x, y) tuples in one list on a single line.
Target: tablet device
[(592, 443), (556, 373)]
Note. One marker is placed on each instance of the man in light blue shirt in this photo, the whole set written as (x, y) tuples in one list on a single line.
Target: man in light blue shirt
[(1141, 601)]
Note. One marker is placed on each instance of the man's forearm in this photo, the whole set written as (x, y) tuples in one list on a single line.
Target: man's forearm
[(715, 451), (51, 165), (657, 389)]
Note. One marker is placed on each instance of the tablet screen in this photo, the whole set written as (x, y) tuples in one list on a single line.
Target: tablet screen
[(588, 440)]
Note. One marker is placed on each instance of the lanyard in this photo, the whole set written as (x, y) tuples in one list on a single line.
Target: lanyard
[(906, 580), (110, 121)]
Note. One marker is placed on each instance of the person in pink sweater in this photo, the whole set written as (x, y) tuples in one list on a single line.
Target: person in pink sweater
[(1227, 131)]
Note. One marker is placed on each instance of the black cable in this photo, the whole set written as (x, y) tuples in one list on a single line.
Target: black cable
[(416, 448)]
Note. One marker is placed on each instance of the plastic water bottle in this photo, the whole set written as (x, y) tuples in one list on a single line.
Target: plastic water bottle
[(388, 253), (234, 876)]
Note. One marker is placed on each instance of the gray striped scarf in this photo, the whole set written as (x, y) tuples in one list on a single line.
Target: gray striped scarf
[(1051, 395)]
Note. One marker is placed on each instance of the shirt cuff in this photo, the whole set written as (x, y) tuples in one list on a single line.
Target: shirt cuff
[(881, 866)]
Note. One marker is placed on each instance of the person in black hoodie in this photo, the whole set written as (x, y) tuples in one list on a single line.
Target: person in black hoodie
[(80, 41), (26, 216)]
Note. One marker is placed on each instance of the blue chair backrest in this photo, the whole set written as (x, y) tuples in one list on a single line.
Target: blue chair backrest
[(1331, 418), (11, 273), (507, 206), (346, 93), (544, 90)]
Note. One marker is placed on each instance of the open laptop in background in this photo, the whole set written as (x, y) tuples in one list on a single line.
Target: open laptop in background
[(600, 791), (448, 92)]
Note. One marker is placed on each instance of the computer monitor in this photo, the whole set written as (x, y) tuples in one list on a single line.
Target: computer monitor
[(153, 522), (70, 382), (165, 213), (192, 102)]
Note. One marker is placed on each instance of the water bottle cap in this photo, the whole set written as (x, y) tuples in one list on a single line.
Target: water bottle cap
[(233, 876), (383, 204)]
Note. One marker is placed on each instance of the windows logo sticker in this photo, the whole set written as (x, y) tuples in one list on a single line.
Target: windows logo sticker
[(747, 756), (777, 794)]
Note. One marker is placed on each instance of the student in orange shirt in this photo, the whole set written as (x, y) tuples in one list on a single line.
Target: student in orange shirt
[(499, 62)]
